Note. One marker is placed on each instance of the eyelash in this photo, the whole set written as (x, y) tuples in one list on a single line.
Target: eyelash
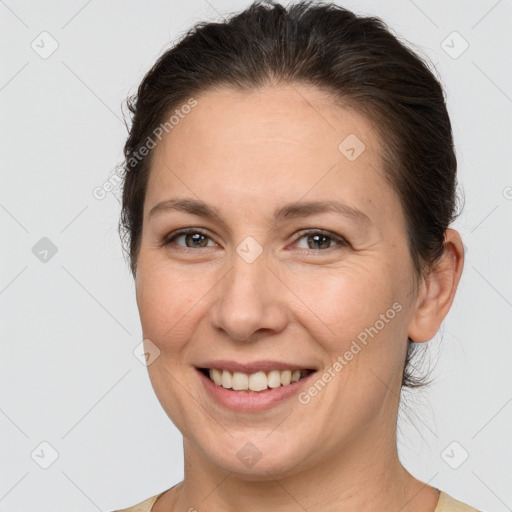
[(336, 238)]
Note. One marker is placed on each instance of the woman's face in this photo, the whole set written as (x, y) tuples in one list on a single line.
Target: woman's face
[(318, 288)]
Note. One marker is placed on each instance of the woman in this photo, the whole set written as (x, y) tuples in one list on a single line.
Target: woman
[(290, 182)]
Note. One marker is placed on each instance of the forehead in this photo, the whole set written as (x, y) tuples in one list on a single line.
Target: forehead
[(267, 146), (277, 117)]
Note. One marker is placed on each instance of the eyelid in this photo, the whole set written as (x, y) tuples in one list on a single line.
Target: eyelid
[(318, 231), (185, 231), (341, 241)]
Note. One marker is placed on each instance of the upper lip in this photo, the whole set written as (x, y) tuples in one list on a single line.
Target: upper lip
[(253, 367)]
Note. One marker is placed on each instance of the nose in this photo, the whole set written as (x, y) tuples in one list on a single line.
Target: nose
[(249, 301)]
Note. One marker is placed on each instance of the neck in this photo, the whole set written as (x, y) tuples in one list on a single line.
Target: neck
[(362, 475)]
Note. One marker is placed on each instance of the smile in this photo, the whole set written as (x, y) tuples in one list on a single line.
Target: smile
[(255, 382), (252, 387)]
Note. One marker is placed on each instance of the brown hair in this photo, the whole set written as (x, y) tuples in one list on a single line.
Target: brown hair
[(355, 58)]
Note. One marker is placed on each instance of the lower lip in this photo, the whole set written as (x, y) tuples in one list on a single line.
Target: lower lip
[(249, 401)]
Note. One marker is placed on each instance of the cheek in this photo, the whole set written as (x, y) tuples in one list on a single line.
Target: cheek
[(347, 299), (357, 315), (166, 301)]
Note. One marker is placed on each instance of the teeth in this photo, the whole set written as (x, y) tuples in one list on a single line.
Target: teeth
[(216, 376), (286, 377), (226, 380), (258, 381), (240, 381), (274, 379)]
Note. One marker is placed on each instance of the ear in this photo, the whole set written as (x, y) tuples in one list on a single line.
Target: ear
[(437, 290)]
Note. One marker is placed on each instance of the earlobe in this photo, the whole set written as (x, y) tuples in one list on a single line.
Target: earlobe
[(437, 290)]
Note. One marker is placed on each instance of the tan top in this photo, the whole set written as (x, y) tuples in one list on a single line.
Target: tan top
[(445, 504)]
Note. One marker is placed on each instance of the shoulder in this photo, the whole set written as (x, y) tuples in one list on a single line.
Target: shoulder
[(445, 504), (448, 504), (143, 506)]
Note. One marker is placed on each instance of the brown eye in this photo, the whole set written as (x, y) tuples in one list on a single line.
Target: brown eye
[(192, 238), (321, 240)]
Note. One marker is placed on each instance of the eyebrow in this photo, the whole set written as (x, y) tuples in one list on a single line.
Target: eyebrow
[(293, 210)]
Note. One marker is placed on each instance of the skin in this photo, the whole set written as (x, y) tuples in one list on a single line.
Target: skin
[(247, 154)]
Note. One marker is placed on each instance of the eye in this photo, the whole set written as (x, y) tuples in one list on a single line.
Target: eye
[(316, 240), (194, 239), (320, 240)]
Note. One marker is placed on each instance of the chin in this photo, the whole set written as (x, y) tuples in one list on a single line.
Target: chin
[(254, 458)]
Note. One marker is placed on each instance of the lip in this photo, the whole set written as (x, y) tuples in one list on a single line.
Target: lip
[(252, 401), (252, 367)]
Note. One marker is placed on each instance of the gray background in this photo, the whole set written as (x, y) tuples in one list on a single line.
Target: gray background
[(69, 322)]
